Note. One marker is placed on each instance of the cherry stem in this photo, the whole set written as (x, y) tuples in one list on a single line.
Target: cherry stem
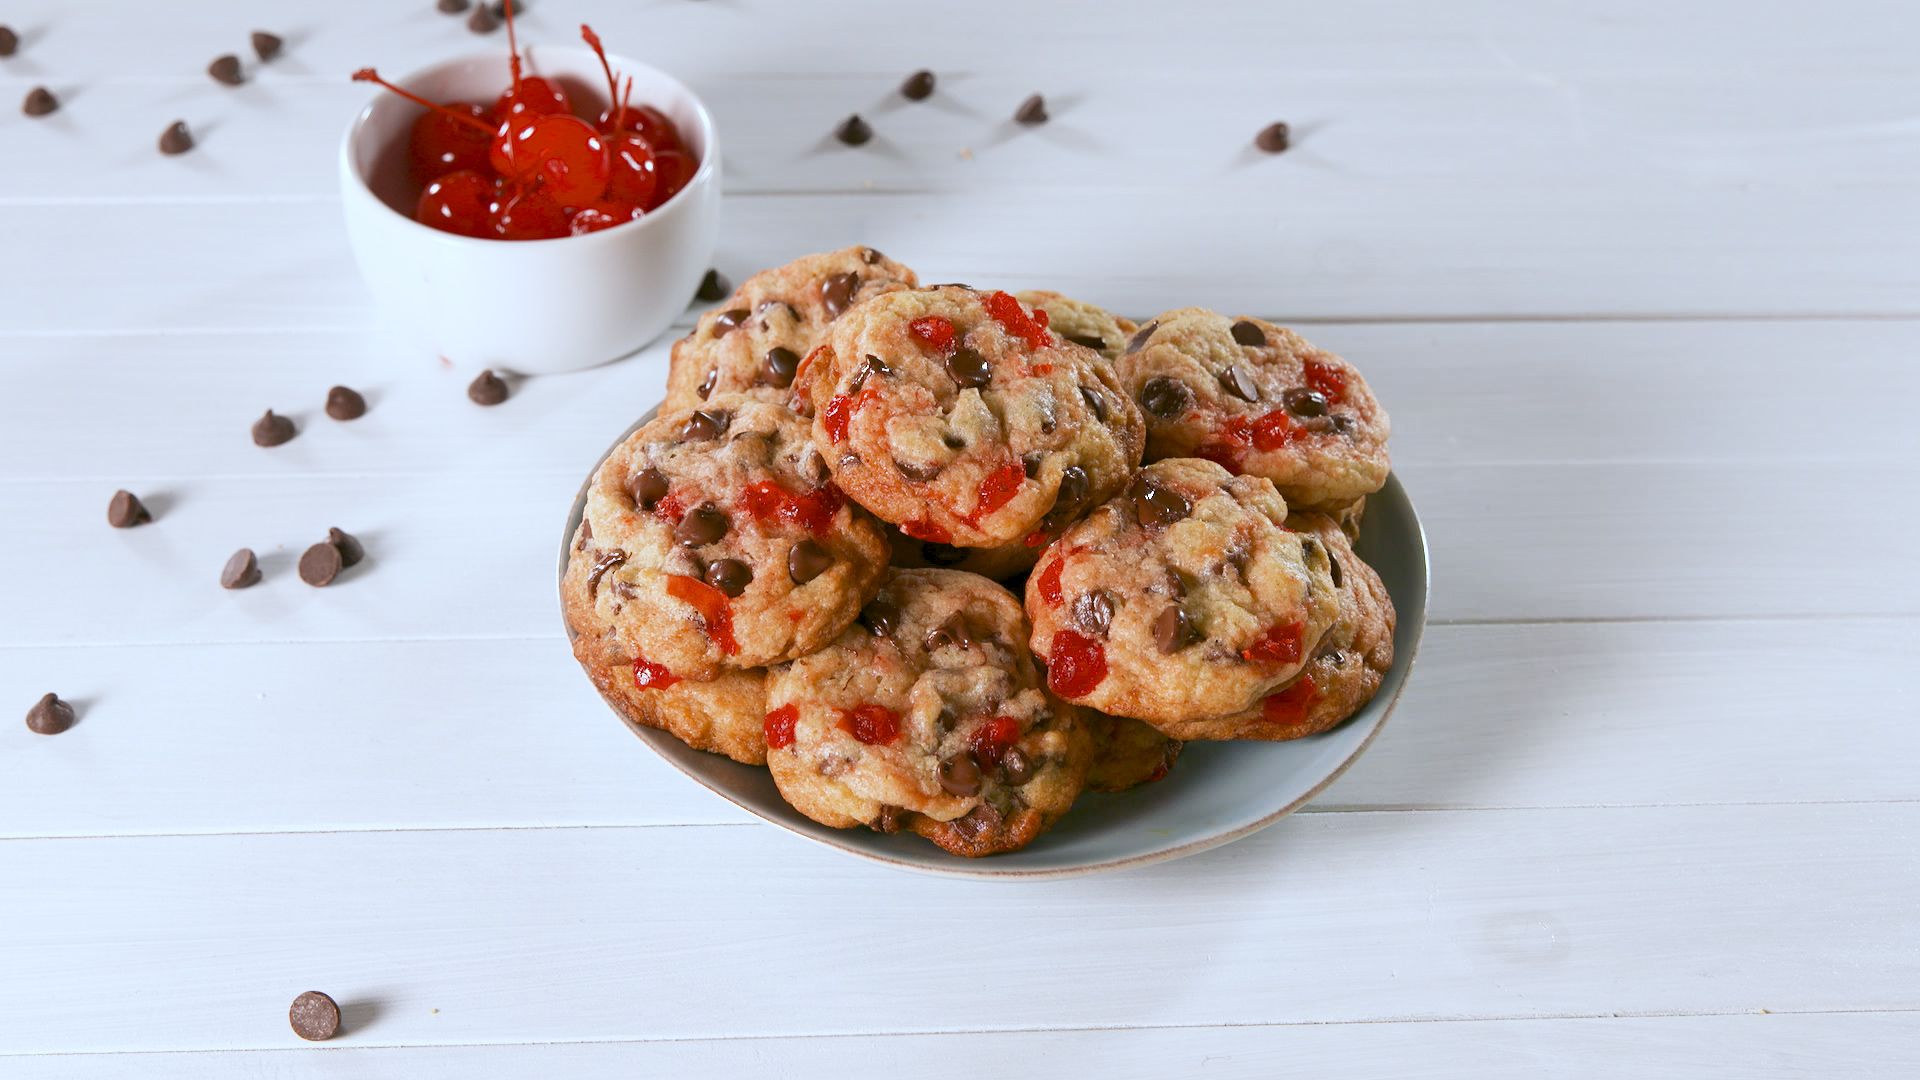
[(372, 76), (620, 117), (613, 85), (513, 47)]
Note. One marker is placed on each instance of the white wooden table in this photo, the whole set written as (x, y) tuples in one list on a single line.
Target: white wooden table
[(1639, 281)]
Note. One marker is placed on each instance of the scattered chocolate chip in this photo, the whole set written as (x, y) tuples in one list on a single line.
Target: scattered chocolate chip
[(482, 21), (730, 576), (1032, 111), (350, 550), (345, 403), (1248, 333), (1089, 341), (937, 554), (713, 288), (1173, 630), (836, 292), (702, 525), (1333, 564), (451, 7), (1303, 402), (647, 487), (9, 41), (226, 69), (960, 776), (853, 131), (728, 321), (782, 362), (266, 46), (607, 561), (176, 139), (1140, 336), (917, 472), (314, 1016), (1093, 612), (1096, 401), (703, 425), (1015, 769), (40, 101), (807, 560), (125, 510), (272, 429), (487, 389), (968, 369), (1273, 138), (49, 716), (1165, 397), (881, 617), (242, 570), (1154, 505), (951, 632), (320, 564), (918, 87), (1237, 382)]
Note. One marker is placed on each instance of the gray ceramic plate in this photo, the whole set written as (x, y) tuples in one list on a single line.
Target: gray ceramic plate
[(1217, 793)]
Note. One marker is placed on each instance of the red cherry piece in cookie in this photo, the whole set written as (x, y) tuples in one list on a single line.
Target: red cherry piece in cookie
[(779, 727), (1328, 380), (930, 531), (670, 507), (871, 724), (1277, 644), (1014, 319), (1274, 430), (460, 202), (838, 412), (1076, 665), (711, 603), (441, 143), (813, 511), (991, 741), (935, 330), (648, 675), (1289, 706), (997, 490), (1049, 582)]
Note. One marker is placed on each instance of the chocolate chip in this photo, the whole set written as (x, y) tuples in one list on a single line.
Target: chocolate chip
[(713, 288), (728, 321), (937, 554), (979, 821), (951, 632), (836, 292), (40, 101), (1249, 334), (226, 69), (1333, 564), (1237, 382), (853, 131), (1173, 631), (953, 442), (266, 46), (1032, 111), (916, 471), (1165, 397), (960, 776), (482, 21), (918, 87), (704, 425), (125, 510), (1303, 402), (705, 389), (1069, 498), (314, 1016), (345, 403), (272, 429), (242, 570), (1090, 341), (702, 525), (730, 576), (1031, 463), (1154, 505), (1095, 401), (968, 368), (1342, 423), (451, 7), (9, 41), (1140, 336), (320, 564), (889, 820), (176, 139), (647, 487), (49, 716), (870, 256), (881, 617), (350, 550), (607, 561), (807, 560), (1015, 769), (782, 362), (1093, 612), (1273, 138), (487, 389)]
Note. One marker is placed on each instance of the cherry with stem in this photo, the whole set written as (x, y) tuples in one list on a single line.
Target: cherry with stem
[(372, 76)]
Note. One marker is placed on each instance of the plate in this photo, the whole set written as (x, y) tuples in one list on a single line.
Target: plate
[(1218, 793)]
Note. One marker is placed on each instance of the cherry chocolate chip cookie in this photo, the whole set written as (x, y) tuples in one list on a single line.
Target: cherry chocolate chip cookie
[(1126, 752), (754, 341), (1082, 323), (928, 715), (960, 417), (1184, 597), (716, 541), (1260, 400)]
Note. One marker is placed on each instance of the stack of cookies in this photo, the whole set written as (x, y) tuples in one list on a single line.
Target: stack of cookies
[(898, 544)]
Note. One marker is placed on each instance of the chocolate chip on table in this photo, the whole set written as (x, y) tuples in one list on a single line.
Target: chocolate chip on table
[(1154, 505), (968, 368), (320, 564), (350, 550), (1248, 333), (1173, 630), (703, 525), (40, 101), (1032, 111), (125, 510), (49, 716), (730, 576), (836, 293), (9, 41), (1140, 336), (960, 776), (853, 131), (226, 69), (881, 617), (1015, 769), (703, 425), (1304, 402), (272, 429), (1274, 138), (487, 389), (450, 7), (1095, 401), (346, 403), (647, 487), (482, 21), (266, 46), (807, 560), (1164, 397), (713, 288), (918, 87), (314, 1016), (176, 139), (242, 570), (1237, 382), (782, 362), (728, 321), (1093, 612)]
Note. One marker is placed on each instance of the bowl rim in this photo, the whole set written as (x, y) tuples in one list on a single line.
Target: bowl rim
[(355, 180), (983, 869)]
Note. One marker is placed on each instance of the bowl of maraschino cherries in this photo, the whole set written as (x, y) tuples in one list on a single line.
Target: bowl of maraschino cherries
[(545, 210)]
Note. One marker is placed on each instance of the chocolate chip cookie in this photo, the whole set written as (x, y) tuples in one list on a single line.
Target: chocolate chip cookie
[(1260, 400), (1184, 597), (928, 715), (754, 341), (1126, 752), (998, 563), (960, 417), (716, 541), (1082, 323)]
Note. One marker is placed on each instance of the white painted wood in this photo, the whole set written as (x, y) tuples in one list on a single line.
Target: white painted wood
[(1851, 1046)]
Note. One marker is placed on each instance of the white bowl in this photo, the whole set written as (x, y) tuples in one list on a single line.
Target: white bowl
[(532, 306)]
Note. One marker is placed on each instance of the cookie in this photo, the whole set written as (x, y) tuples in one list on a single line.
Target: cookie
[(1346, 668), (715, 542), (1081, 322), (959, 417), (928, 715), (754, 341), (1126, 752), (1348, 518), (1260, 400), (1185, 597), (998, 563)]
